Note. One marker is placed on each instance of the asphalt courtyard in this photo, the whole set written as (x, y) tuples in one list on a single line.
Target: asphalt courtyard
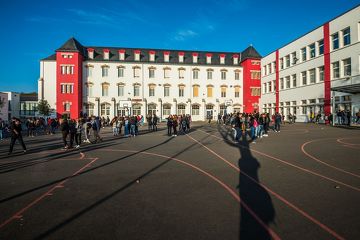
[(301, 183)]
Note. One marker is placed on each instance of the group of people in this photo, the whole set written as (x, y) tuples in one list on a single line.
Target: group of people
[(178, 123), (131, 125)]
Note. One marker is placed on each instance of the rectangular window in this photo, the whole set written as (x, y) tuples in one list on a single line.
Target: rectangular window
[(294, 82), (209, 92), (181, 91), (269, 68), (136, 72), (255, 91), (151, 73), (195, 110), (293, 57), (304, 78), (90, 90), (255, 74), (136, 91), (281, 83), (89, 71), (287, 79), (312, 50), (209, 74), (312, 75), (321, 73), (237, 92), (281, 63), (346, 36), (264, 88), (105, 90), (237, 76), (287, 60), (166, 91), (181, 73), (303, 107), (321, 47), (167, 73), (269, 87), (195, 74), (335, 41), (63, 70), (223, 75), (347, 67), (120, 72), (120, 90), (223, 92), (336, 70), (67, 107), (104, 71), (151, 91), (195, 91), (303, 54), (274, 66)]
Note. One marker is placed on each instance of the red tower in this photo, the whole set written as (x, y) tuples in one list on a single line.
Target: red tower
[(69, 58), (250, 61)]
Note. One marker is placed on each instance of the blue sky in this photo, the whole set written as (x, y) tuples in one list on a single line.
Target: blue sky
[(32, 30)]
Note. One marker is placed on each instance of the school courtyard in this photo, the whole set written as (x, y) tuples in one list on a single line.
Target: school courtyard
[(300, 183)]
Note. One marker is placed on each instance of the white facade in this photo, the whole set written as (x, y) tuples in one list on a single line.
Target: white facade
[(14, 104), (163, 76), (4, 106), (47, 82), (299, 97)]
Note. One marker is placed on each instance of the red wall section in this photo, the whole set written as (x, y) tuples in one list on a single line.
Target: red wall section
[(248, 100), (277, 93), (327, 83), (74, 98)]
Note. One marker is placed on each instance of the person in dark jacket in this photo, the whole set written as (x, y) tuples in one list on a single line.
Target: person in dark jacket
[(64, 128), (16, 134), (72, 130), (169, 124)]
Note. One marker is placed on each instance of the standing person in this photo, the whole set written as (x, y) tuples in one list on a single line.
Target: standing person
[(79, 125), (64, 128), (86, 128), (277, 122), (219, 118), (149, 121), (72, 130), (175, 125), (237, 128), (126, 126), (348, 117), (209, 119), (357, 117), (155, 122), (16, 134), (169, 124)]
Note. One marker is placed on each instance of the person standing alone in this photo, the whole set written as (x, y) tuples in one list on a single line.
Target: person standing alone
[(16, 134)]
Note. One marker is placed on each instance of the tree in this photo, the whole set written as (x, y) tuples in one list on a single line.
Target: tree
[(44, 107)]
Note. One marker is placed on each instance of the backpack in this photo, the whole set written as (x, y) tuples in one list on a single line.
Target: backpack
[(93, 125)]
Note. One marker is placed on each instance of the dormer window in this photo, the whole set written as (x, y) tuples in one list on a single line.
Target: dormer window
[(222, 58), (106, 54), (90, 53), (166, 56), (137, 55), (151, 56), (208, 58), (122, 54), (181, 57), (195, 57), (235, 59)]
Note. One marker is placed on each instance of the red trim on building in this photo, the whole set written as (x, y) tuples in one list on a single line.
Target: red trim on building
[(222, 55), (74, 98), (327, 83), (277, 93), (236, 56), (166, 53), (195, 54), (209, 55), (121, 51), (151, 52), (137, 51), (250, 103), (90, 49), (106, 50), (181, 53)]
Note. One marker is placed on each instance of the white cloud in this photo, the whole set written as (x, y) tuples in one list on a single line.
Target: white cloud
[(183, 35)]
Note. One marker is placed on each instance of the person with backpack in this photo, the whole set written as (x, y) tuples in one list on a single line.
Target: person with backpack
[(95, 125)]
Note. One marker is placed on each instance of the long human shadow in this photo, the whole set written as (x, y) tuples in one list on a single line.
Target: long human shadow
[(114, 193), (253, 195)]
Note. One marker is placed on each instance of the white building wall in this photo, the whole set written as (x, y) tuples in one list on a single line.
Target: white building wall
[(4, 110), (48, 79)]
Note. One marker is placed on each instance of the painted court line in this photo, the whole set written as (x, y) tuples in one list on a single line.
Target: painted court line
[(286, 202)]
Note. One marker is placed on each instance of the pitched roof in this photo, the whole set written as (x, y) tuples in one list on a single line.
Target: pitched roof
[(50, 58), (250, 52), (72, 45)]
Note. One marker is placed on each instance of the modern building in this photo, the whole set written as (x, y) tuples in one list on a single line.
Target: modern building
[(317, 72), (13, 104), (28, 105), (108, 81)]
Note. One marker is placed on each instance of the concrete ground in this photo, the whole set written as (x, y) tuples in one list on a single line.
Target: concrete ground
[(300, 183)]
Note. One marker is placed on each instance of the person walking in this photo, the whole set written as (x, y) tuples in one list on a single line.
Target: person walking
[(64, 128), (16, 135)]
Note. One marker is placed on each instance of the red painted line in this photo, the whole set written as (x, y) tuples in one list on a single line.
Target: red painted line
[(226, 187), (82, 155), (324, 163), (340, 140), (37, 200), (278, 196)]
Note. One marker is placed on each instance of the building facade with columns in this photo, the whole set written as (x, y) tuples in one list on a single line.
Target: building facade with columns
[(317, 72), (106, 81)]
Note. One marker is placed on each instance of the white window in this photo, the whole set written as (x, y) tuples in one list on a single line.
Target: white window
[(287, 60), (121, 54), (152, 56), (321, 73), (209, 74), (181, 57), (89, 71), (222, 58), (235, 59), (136, 90), (312, 75), (181, 109), (294, 83), (136, 72), (303, 54), (104, 71), (195, 110), (281, 63), (90, 90), (347, 67), (223, 92), (237, 75), (137, 55), (167, 72), (181, 91), (120, 90), (237, 92), (90, 109), (67, 107), (287, 81), (294, 58), (151, 73), (269, 87), (321, 46), (208, 58), (166, 91), (304, 78), (336, 69), (312, 50), (166, 109), (346, 36), (281, 83), (105, 90), (121, 72), (335, 41), (105, 109), (195, 73), (223, 75), (195, 57), (151, 91), (181, 73), (106, 54)]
